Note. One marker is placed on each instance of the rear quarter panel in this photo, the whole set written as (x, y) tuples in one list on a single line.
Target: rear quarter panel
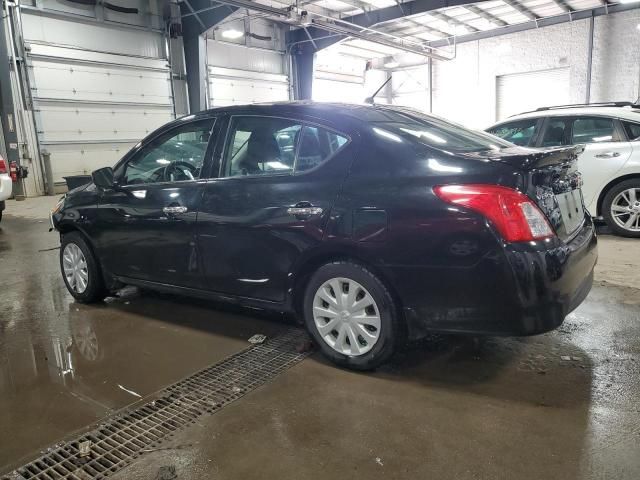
[(429, 251)]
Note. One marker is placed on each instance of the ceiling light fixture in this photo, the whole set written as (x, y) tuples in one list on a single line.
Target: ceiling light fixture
[(628, 1), (232, 34), (391, 64)]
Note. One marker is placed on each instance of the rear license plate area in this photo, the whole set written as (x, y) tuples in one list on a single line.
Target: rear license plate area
[(571, 209)]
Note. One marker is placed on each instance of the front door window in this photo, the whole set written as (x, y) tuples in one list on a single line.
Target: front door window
[(177, 155)]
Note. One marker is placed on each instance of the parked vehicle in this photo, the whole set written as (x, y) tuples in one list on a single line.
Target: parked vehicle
[(610, 163), (6, 185), (372, 223)]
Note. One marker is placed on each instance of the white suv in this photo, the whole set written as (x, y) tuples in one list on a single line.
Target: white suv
[(610, 163), (6, 186)]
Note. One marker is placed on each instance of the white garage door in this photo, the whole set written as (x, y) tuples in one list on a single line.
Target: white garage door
[(97, 90), (240, 75), (522, 92), (339, 78)]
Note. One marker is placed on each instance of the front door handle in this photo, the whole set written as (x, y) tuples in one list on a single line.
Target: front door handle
[(174, 210), (608, 155), (304, 209)]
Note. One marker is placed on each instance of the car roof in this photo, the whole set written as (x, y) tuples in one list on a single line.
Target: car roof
[(625, 113), (325, 110)]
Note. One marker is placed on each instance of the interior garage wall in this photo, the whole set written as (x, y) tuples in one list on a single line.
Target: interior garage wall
[(465, 88)]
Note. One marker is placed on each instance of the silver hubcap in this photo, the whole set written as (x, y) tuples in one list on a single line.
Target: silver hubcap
[(346, 316), (75, 268), (625, 209)]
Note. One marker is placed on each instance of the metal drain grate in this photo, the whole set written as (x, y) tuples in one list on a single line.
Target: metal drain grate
[(124, 437)]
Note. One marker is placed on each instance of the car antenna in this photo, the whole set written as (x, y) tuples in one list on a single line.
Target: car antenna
[(369, 100)]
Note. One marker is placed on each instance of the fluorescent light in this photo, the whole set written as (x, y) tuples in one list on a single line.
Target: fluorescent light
[(391, 64), (232, 34), (628, 1)]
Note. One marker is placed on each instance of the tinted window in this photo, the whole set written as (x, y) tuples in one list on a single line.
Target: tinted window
[(555, 133), (592, 130), (261, 145), (520, 132), (632, 129), (316, 145), (431, 131), (177, 155)]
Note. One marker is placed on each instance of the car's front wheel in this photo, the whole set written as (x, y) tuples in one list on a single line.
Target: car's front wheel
[(80, 269), (351, 315), (621, 208)]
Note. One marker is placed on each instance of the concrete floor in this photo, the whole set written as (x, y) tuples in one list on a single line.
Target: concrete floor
[(451, 407)]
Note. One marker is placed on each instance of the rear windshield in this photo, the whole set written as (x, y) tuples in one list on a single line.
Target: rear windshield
[(431, 131)]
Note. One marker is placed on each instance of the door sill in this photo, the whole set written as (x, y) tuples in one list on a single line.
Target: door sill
[(206, 294)]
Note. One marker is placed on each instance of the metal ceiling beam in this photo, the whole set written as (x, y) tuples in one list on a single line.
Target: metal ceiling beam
[(539, 23), (486, 15), (198, 16), (375, 17), (416, 28), (356, 4), (563, 5), (517, 6), (452, 21)]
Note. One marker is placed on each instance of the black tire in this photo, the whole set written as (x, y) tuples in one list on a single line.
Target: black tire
[(391, 331), (95, 290), (608, 201)]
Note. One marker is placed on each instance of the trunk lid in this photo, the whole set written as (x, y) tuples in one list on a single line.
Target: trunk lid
[(551, 179)]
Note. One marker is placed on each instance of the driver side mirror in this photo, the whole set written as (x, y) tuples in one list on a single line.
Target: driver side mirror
[(103, 177)]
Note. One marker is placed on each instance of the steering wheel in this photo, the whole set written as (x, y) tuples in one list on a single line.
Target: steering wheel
[(179, 170)]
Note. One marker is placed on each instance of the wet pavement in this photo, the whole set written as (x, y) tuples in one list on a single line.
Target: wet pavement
[(563, 405)]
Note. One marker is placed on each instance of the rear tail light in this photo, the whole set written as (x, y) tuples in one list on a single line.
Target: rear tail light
[(513, 214), (3, 165)]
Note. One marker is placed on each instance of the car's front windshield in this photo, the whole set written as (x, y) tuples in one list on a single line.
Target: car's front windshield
[(432, 131)]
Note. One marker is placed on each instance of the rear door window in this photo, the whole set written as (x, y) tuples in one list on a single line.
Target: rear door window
[(261, 146), (556, 132), (520, 132), (592, 130)]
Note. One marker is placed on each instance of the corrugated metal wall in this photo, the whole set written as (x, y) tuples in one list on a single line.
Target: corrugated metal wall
[(97, 89)]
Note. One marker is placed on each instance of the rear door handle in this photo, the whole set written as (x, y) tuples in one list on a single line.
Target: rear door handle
[(608, 155), (174, 210)]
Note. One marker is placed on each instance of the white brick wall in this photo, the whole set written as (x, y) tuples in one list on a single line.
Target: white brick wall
[(465, 88)]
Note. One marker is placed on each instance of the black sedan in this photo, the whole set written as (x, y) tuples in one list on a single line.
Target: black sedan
[(373, 224)]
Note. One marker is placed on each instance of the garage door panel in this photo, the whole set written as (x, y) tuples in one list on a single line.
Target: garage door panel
[(72, 81), (60, 122), (97, 90), (69, 160), (522, 92), (237, 92)]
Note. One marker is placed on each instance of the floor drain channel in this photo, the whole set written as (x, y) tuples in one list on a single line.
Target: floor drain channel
[(124, 437)]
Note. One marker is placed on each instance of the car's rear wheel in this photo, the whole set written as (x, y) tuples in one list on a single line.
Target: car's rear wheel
[(621, 208), (80, 269), (351, 315)]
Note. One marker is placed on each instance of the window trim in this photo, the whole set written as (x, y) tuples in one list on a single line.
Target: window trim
[(292, 173), (121, 166)]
